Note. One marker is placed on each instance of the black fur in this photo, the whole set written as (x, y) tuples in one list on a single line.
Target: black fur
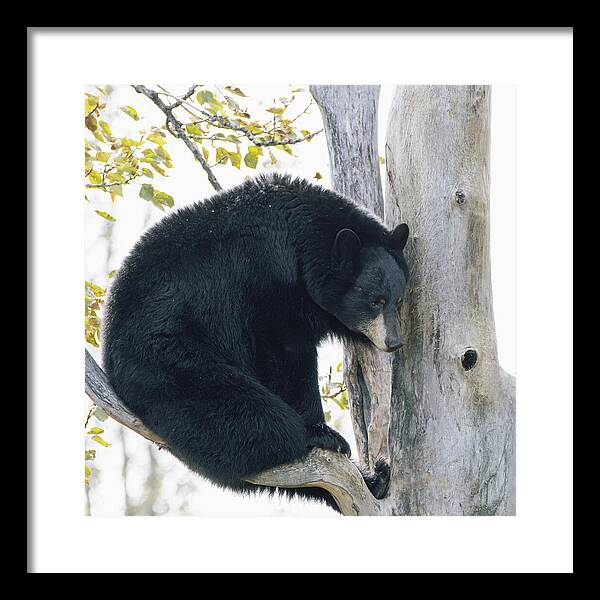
[(214, 318)]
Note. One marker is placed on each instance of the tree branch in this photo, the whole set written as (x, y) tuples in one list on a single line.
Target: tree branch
[(177, 129), (328, 470), (102, 394), (228, 124), (320, 468)]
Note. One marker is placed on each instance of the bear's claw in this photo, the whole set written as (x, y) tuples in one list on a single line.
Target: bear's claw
[(322, 436)]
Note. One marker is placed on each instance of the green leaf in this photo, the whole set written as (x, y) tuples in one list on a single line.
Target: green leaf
[(381, 160), (147, 192), (99, 412), (338, 367), (129, 110), (251, 160), (148, 173), (275, 110), (164, 198), (110, 276), (105, 215), (193, 130), (205, 97)]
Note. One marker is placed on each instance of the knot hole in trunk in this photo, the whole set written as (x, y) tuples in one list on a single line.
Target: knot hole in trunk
[(469, 359)]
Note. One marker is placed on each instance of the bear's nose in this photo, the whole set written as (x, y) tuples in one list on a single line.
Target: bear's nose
[(393, 342)]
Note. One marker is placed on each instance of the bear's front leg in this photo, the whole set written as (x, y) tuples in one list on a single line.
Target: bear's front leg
[(304, 396)]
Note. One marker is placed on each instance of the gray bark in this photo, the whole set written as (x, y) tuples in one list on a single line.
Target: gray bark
[(453, 408), (452, 429), (350, 122), (101, 393), (328, 470)]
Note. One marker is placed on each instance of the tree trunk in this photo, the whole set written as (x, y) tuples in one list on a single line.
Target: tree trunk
[(452, 430), (350, 122), (453, 408)]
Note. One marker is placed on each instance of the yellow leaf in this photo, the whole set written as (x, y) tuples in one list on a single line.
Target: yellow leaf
[(105, 215), (96, 430), (102, 442), (95, 178), (129, 110), (102, 156), (235, 158), (235, 90), (105, 128), (157, 138), (318, 175)]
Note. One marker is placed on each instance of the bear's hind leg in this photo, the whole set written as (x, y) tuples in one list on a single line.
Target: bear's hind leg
[(230, 428)]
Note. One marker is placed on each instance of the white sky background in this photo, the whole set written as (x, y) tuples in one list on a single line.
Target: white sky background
[(184, 492)]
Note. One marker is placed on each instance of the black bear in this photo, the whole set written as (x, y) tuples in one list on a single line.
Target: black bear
[(214, 318)]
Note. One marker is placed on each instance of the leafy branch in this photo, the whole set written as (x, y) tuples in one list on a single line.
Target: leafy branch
[(176, 128), (112, 162), (225, 114)]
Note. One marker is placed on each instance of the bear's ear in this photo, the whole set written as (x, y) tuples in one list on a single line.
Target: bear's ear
[(347, 245), (399, 237)]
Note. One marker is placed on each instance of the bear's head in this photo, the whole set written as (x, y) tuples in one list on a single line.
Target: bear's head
[(375, 284)]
